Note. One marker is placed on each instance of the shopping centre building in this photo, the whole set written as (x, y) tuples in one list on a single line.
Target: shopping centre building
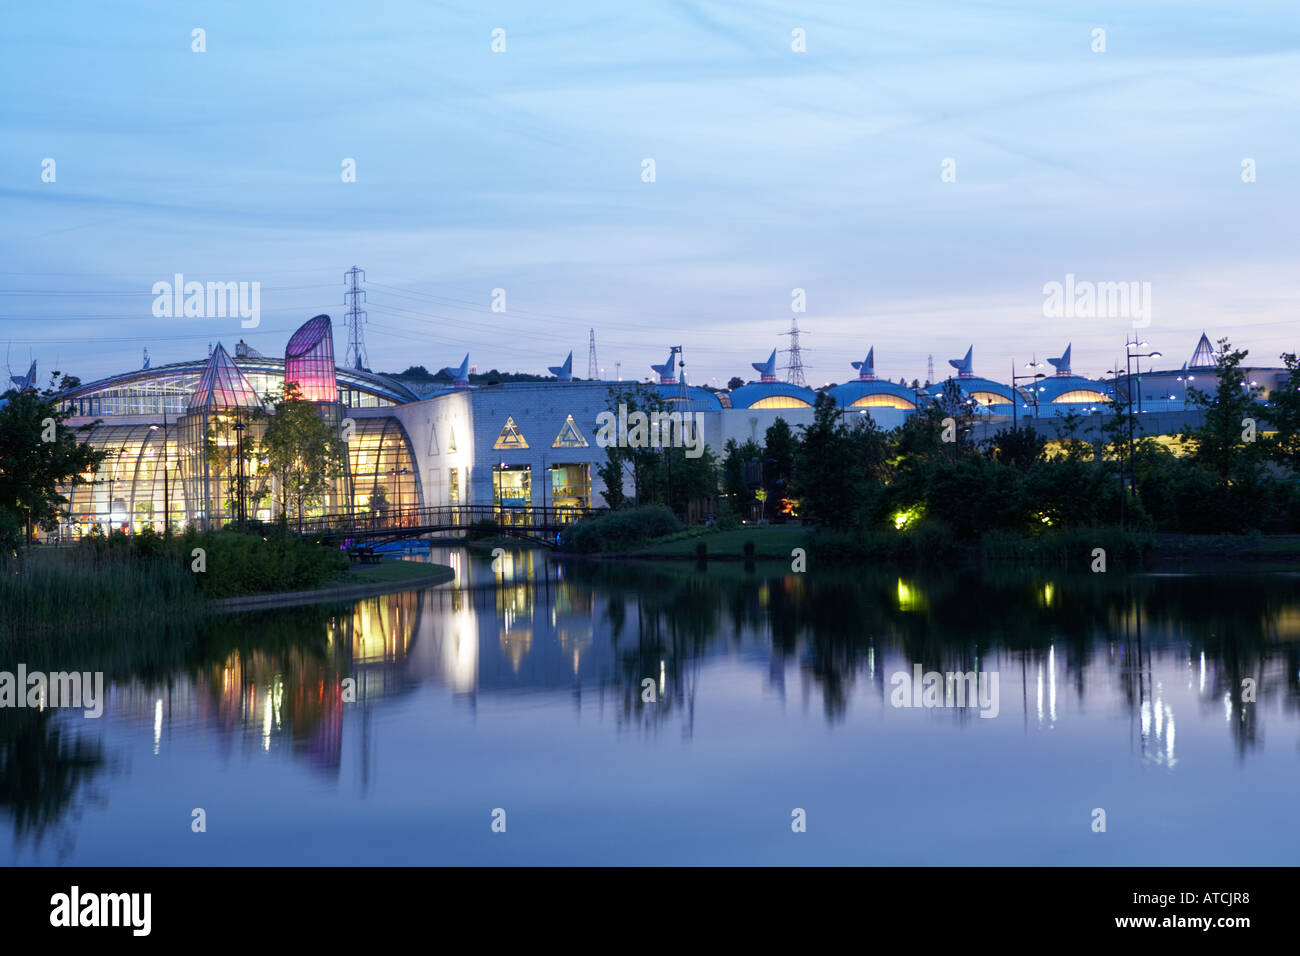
[(181, 436)]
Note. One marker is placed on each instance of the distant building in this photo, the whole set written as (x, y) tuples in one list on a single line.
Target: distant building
[(175, 448)]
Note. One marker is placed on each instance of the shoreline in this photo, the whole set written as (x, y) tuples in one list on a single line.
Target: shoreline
[(438, 574), (1168, 553)]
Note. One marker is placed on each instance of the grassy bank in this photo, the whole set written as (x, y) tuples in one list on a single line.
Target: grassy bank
[(151, 582), (750, 541), (392, 572), (71, 592), (933, 544)]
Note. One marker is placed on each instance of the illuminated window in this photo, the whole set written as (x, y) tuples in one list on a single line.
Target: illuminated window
[(570, 488), (882, 401), (1082, 395), (512, 493), (569, 436), (433, 439), (510, 436), (989, 398), (451, 439), (382, 468), (780, 401)]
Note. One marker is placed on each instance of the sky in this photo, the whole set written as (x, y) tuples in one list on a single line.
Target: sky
[(920, 170)]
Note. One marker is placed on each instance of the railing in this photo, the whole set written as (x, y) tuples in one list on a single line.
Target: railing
[(450, 517)]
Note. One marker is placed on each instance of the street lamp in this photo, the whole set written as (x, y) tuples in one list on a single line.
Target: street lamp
[(239, 460), (1015, 399), (1129, 356), (167, 501)]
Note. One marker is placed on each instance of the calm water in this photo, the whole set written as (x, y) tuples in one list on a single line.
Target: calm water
[(522, 690)]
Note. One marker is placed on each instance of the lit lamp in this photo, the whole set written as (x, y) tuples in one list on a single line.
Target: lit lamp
[(167, 501)]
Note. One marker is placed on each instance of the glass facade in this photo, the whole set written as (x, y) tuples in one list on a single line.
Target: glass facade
[(512, 493), (220, 483), (203, 470), (168, 390), (223, 385), (309, 361), (129, 492), (382, 468), (570, 486)]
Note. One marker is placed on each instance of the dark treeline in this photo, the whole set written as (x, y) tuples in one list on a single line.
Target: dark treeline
[(1236, 471)]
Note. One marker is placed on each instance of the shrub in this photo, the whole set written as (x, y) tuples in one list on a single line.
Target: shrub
[(620, 530)]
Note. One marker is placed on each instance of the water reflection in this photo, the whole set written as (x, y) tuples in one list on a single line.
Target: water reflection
[(636, 646)]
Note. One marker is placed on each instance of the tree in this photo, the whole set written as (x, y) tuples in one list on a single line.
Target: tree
[(1017, 447), (735, 382), (830, 478), (780, 446), (300, 452), (1225, 442), (38, 455), (1284, 414), (611, 475)]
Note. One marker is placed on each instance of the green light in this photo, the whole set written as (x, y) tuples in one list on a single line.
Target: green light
[(905, 516)]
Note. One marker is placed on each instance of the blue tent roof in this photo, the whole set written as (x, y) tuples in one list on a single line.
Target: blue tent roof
[(848, 393), (747, 395), (697, 399), (1050, 388)]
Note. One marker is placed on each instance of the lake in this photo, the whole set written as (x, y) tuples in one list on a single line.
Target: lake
[(663, 713)]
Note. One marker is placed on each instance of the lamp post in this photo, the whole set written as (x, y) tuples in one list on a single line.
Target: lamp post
[(392, 480), (239, 481), (1129, 357), (1015, 399), (167, 500)]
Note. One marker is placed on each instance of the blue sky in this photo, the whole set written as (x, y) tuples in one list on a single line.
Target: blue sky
[(775, 170)]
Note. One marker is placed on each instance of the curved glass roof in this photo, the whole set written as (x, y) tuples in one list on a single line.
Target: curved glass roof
[(747, 396), (150, 391), (1050, 389), (973, 384), (851, 392), (309, 361), (697, 399)]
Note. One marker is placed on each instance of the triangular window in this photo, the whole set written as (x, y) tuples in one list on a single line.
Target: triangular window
[(510, 436), (569, 436), (433, 439), (451, 439)]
